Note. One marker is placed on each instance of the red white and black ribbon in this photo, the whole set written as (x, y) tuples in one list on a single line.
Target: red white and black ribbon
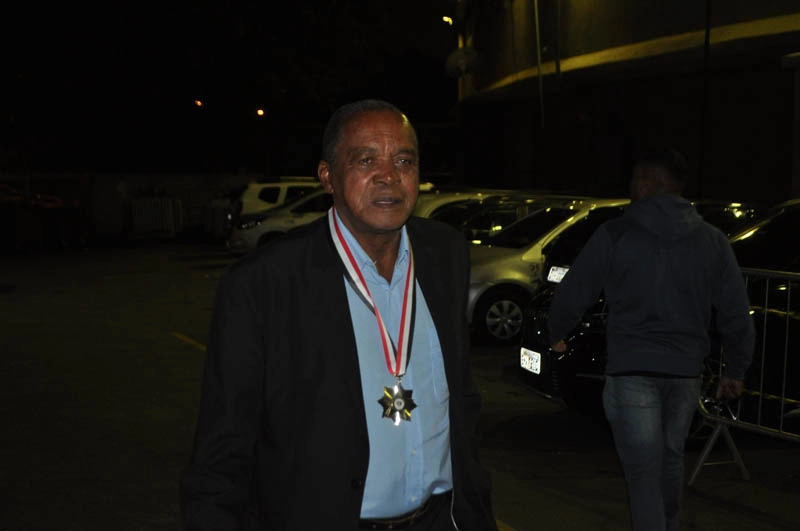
[(396, 356)]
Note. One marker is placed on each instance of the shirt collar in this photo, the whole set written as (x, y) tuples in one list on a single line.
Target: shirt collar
[(362, 258)]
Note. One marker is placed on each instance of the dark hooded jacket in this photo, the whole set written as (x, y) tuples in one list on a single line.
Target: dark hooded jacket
[(663, 269)]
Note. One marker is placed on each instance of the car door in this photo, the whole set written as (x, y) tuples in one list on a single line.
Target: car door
[(307, 211)]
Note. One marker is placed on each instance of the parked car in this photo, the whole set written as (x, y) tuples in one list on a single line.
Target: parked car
[(770, 242), (256, 229), (481, 218), (576, 376), (258, 197), (507, 268), (729, 216), (445, 199)]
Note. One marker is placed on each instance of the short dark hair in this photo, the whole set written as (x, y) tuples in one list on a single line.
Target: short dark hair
[(670, 160), (340, 118)]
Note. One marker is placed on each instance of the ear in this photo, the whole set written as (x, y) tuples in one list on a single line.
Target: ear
[(324, 174)]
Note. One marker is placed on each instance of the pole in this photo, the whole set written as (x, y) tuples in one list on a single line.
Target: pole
[(539, 62), (704, 102)]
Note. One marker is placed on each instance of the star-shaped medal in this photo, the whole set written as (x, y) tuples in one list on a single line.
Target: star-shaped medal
[(397, 403)]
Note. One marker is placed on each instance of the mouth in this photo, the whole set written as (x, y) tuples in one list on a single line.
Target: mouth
[(384, 202)]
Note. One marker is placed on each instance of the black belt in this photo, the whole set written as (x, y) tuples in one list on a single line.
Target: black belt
[(405, 520)]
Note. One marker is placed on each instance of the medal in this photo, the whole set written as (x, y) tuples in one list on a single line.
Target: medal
[(396, 403)]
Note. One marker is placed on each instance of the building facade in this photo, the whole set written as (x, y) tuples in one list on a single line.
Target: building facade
[(563, 94)]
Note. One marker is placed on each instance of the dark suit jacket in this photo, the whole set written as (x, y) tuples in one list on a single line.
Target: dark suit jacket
[(281, 440)]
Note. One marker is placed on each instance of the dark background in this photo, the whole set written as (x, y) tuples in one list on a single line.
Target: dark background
[(112, 87), (98, 101)]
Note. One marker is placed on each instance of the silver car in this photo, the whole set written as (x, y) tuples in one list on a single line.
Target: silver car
[(257, 229), (507, 267)]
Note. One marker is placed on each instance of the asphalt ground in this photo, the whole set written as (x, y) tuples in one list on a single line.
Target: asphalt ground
[(102, 354)]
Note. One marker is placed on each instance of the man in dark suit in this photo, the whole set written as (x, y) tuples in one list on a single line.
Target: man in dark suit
[(337, 392)]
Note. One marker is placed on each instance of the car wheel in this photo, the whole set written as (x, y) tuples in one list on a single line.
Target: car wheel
[(498, 316)]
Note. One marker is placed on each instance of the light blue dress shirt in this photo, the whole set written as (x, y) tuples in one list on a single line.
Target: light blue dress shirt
[(411, 461)]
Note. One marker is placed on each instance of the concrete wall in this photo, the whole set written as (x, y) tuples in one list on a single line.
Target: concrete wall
[(504, 32), (107, 198), (736, 116), (593, 132)]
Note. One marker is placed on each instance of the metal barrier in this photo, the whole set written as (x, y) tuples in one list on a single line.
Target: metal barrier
[(770, 404)]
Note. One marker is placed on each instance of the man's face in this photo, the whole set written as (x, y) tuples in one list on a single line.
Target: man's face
[(375, 178)]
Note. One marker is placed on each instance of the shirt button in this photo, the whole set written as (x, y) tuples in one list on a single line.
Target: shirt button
[(414, 452), (413, 498)]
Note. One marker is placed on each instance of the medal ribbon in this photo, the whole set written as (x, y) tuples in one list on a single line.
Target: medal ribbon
[(396, 356)]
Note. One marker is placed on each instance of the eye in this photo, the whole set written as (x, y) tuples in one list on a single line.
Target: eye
[(365, 161)]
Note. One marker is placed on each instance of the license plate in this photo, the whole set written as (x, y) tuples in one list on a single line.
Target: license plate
[(530, 360), (556, 273)]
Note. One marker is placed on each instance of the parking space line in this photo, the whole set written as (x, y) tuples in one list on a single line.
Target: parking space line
[(189, 340)]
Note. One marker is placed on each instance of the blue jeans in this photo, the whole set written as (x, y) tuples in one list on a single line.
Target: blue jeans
[(650, 419)]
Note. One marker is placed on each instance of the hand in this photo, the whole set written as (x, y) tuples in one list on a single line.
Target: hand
[(729, 389), (560, 346)]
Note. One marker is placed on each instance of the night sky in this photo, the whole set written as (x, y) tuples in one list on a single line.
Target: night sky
[(112, 87)]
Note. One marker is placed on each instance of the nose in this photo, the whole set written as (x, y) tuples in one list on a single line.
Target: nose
[(386, 173)]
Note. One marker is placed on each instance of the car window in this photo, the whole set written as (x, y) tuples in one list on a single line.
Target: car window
[(491, 218), (530, 228), (730, 217), (269, 194), (296, 193), (564, 249), (318, 203), (771, 243), (453, 213)]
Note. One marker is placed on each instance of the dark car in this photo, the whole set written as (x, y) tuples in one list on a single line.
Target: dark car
[(729, 216), (481, 218), (771, 262), (506, 271), (576, 376)]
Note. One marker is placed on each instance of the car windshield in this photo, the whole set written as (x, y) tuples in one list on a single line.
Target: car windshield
[(454, 213), (299, 194), (530, 228), (768, 244), (730, 218)]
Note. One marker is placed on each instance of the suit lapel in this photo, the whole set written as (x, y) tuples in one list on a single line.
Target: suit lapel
[(334, 316), (436, 289)]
